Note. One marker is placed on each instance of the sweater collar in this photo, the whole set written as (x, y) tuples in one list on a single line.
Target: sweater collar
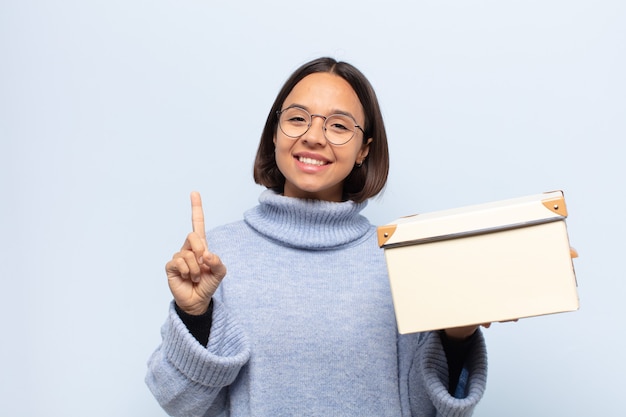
[(308, 224)]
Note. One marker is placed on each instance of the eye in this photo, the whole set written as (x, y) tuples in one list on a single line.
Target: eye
[(297, 119), (295, 116), (340, 124)]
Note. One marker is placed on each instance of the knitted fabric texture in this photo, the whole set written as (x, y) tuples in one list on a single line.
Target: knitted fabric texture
[(303, 325)]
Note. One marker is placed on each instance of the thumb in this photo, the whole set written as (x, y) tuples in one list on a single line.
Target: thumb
[(218, 269)]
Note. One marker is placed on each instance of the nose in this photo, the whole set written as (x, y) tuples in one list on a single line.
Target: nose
[(315, 133)]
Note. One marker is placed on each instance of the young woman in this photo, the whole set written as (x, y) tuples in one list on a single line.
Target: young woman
[(302, 322)]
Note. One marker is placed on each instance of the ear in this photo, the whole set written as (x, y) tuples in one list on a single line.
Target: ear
[(363, 152)]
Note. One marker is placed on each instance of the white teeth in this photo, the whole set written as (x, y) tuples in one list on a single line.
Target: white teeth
[(311, 161)]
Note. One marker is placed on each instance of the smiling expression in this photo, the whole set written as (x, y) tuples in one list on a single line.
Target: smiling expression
[(313, 167)]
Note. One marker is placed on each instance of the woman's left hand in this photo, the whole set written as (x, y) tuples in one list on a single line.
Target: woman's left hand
[(464, 332)]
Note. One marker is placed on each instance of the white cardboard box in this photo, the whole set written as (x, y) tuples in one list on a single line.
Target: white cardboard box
[(485, 263)]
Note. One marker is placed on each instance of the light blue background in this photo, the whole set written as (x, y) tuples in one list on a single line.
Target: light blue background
[(111, 112)]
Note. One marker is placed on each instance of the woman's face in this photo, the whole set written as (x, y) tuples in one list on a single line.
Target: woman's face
[(313, 167)]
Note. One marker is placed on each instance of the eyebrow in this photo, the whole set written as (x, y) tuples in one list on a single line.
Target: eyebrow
[(335, 111)]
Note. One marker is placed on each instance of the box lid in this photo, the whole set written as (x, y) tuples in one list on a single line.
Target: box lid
[(473, 220)]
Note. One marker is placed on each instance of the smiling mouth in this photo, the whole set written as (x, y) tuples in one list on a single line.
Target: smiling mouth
[(311, 161)]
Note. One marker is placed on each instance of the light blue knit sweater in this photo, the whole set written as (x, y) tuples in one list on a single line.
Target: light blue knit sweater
[(303, 325)]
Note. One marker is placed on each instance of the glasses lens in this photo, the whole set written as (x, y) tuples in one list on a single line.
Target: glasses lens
[(339, 129), (294, 121)]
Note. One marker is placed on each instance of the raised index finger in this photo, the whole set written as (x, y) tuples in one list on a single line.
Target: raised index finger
[(197, 216)]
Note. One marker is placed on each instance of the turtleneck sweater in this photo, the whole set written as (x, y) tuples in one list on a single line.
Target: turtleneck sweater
[(303, 325)]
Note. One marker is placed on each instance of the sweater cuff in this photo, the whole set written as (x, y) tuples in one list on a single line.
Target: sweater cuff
[(434, 370), (215, 365)]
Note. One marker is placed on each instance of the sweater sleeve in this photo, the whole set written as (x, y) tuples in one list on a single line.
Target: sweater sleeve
[(427, 378), (185, 377)]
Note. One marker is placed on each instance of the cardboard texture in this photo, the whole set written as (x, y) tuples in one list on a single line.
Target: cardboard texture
[(492, 262)]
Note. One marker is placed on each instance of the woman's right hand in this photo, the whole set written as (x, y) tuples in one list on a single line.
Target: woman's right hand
[(194, 273)]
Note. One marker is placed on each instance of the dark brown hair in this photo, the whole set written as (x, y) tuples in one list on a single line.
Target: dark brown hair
[(363, 182)]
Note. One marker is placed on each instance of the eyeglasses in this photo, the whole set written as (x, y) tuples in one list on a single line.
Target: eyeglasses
[(338, 128)]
